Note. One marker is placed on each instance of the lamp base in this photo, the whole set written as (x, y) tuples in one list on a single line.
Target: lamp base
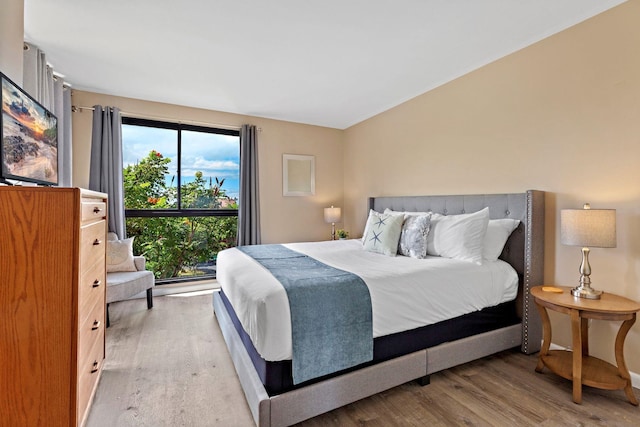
[(584, 289), (586, 292)]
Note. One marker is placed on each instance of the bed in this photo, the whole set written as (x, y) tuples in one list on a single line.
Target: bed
[(275, 400)]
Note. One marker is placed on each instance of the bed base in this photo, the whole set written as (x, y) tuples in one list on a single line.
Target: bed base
[(525, 252), (300, 404)]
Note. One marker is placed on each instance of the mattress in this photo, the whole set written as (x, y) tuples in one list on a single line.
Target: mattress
[(406, 293), (277, 376)]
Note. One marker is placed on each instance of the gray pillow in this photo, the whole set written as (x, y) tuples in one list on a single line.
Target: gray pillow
[(413, 238)]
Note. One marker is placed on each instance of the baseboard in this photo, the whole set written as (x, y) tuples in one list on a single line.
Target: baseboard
[(179, 288), (635, 378)]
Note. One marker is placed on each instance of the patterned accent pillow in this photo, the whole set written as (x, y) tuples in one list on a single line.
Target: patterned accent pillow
[(413, 238), (382, 233), (120, 255)]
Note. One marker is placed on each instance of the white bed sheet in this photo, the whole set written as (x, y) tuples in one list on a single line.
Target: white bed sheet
[(406, 293)]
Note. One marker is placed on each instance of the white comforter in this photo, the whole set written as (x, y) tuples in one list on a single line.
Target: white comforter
[(406, 293)]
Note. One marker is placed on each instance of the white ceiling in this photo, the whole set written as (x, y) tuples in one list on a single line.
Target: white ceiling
[(330, 63)]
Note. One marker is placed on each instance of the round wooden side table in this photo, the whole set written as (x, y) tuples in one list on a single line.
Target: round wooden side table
[(577, 365)]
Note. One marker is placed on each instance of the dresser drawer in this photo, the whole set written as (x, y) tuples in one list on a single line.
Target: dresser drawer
[(92, 210), (91, 287), (89, 328), (92, 245), (89, 369)]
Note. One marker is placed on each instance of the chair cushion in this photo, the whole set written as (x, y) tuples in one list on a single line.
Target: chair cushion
[(140, 262), (123, 285)]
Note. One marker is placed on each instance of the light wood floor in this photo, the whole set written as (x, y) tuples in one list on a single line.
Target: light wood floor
[(168, 366)]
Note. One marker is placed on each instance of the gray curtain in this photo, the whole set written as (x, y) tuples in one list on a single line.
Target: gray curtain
[(105, 171), (249, 206), (39, 81)]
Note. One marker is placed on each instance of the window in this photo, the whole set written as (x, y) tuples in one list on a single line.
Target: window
[(181, 186)]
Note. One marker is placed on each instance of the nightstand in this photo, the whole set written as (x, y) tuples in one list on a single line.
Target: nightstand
[(577, 365)]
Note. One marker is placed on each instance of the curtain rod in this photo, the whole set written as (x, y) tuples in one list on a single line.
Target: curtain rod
[(78, 108)]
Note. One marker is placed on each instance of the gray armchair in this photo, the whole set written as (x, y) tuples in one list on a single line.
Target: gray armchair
[(122, 285)]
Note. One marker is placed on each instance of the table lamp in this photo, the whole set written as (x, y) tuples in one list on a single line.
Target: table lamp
[(332, 215), (587, 227)]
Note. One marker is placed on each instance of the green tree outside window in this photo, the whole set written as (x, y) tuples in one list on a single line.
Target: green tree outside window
[(176, 246)]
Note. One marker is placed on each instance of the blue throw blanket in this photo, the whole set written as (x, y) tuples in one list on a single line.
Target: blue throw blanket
[(331, 322)]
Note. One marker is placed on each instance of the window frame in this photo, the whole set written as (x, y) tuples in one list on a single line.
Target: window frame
[(179, 211)]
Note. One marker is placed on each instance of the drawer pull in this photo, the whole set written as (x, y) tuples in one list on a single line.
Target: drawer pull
[(97, 210), (96, 283), (96, 325), (94, 367), (97, 242)]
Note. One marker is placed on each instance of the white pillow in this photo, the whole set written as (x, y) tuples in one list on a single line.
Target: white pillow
[(459, 236), (382, 233), (498, 231), (406, 213), (120, 255), (366, 225), (435, 219)]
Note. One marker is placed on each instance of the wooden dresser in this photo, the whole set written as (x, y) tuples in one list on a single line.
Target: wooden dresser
[(52, 303)]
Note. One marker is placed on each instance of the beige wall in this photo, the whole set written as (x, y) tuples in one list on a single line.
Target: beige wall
[(283, 219), (11, 38), (561, 116)]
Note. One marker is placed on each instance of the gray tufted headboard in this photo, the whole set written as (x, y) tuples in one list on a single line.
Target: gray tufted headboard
[(524, 249)]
